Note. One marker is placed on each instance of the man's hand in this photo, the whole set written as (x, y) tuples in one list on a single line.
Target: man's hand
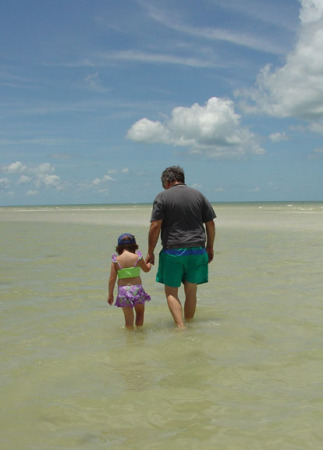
[(153, 236), (150, 258), (210, 253)]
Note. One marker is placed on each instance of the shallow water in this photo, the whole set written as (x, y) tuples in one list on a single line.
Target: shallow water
[(245, 374)]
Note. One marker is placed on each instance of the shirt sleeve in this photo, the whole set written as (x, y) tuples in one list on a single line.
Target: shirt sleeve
[(158, 209), (208, 211)]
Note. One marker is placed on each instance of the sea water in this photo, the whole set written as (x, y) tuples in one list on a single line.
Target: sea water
[(246, 373)]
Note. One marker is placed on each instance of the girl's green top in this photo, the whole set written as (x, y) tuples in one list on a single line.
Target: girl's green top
[(127, 272)]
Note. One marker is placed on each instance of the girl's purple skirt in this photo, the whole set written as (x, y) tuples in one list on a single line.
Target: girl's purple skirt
[(131, 296)]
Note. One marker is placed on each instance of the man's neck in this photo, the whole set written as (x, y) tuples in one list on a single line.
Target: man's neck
[(173, 183)]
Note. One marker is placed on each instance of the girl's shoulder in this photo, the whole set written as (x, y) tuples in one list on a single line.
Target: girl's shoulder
[(115, 259), (127, 258)]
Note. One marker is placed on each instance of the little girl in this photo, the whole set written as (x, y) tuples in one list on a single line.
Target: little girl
[(126, 267)]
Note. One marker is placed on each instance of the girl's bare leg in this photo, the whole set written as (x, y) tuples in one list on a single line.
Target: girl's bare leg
[(190, 290), (128, 316), (140, 312), (174, 305)]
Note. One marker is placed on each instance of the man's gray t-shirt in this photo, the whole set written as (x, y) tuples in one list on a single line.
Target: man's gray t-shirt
[(183, 212)]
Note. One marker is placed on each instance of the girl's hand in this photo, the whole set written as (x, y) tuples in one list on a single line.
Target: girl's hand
[(110, 299)]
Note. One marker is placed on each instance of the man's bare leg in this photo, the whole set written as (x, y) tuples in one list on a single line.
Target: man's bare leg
[(174, 305), (190, 290)]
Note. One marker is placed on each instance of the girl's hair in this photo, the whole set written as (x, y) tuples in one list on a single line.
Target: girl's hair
[(130, 247)]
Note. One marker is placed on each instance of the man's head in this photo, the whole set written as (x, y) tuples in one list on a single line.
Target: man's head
[(173, 174)]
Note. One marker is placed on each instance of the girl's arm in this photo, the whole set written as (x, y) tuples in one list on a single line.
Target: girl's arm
[(144, 266), (112, 282)]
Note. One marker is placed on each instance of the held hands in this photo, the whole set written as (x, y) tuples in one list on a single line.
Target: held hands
[(150, 258)]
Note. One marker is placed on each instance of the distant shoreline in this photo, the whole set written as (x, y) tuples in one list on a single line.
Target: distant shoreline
[(134, 204)]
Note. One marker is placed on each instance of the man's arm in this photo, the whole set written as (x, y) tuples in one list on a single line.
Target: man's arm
[(153, 236), (210, 236)]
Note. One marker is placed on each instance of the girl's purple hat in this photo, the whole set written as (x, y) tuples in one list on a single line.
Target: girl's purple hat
[(126, 238)]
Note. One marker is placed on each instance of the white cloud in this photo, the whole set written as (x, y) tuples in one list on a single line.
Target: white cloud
[(43, 169), (4, 183), (16, 167), (236, 37), (316, 127), (24, 179), (146, 130), (94, 82), (317, 153), (42, 175), (108, 178), (104, 179), (158, 58), (63, 156), (47, 180), (100, 185), (296, 88), (213, 129), (311, 10), (266, 12), (279, 137)]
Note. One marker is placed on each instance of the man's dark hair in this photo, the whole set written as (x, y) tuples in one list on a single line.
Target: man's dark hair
[(171, 174)]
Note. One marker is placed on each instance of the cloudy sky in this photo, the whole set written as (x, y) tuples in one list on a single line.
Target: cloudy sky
[(98, 97)]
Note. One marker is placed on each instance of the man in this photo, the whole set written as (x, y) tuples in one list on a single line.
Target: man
[(179, 214)]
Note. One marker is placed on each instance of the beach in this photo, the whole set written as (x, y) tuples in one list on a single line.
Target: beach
[(245, 373)]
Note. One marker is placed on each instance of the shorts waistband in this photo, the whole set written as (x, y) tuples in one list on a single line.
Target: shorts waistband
[(184, 251)]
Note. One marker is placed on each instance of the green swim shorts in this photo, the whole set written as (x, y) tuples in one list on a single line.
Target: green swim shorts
[(177, 265)]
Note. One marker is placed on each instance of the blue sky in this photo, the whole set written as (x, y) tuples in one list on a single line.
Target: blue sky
[(98, 97)]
